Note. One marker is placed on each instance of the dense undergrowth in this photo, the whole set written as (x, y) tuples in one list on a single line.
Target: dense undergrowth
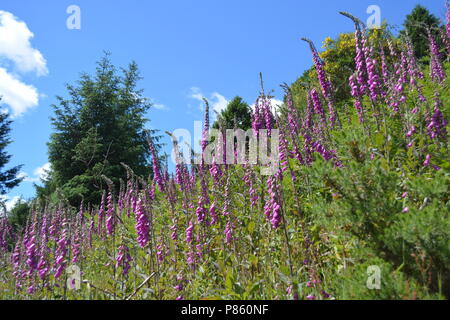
[(361, 184)]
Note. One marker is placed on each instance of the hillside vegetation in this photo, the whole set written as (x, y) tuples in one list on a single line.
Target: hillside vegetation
[(363, 189)]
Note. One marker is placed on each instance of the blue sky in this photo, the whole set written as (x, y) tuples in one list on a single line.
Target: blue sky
[(185, 49)]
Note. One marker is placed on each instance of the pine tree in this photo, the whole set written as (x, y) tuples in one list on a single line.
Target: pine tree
[(99, 126), (236, 114), (415, 26), (8, 178), (19, 215)]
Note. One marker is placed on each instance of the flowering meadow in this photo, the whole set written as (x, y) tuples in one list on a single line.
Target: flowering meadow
[(362, 185)]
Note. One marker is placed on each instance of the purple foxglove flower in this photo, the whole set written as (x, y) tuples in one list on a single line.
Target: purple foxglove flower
[(155, 165), (437, 72), (447, 26), (283, 150), (160, 252), (276, 216), (110, 215), (292, 112), (31, 248), (61, 250), (436, 127), (190, 258), (174, 229), (213, 214), (142, 224), (228, 233), (256, 118), (151, 191), (101, 214), (426, 163), (123, 259), (317, 105), (248, 179), (373, 78), (289, 289), (201, 210), (411, 131), (357, 95), (327, 88), (189, 232), (15, 257), (205, 137), (178, 287), (42, 265), (199, 248), (31, 289)]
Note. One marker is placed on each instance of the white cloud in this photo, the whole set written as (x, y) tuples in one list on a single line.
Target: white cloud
[(18, 95), (9, 202), (159, 106), (15, 45), (196, 94), (15, 48), (23, 175), (27, 178), (275, 104), (217, 101), (40, 173)]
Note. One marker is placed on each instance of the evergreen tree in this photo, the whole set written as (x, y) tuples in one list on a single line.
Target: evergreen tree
[(99, 126), (237, 113), (8, 178), (415, 26), (19, 215)]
